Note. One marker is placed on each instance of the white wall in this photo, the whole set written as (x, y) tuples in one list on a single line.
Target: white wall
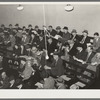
[(82, 17)]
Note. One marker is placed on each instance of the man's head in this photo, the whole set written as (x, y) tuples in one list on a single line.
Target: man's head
[(65, 29), (85, 33), (24, 28), (90, 48), (29, 26), (10, 26), (19, 30), (2, 26), (50, 40), (58, 29), (24, 35), (17, 25), (74, 32), (36, 28), (50, 28), (96, 35), (34, 49)]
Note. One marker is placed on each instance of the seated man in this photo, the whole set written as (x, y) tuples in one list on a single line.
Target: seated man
[(37, 29), (95, 61), (25, 39), (29, 30), (57, 68), (58, 30), (51, 31), (84, 39), (66, 35), (4, 81), (74, 36), (96, 42), (27, 72), (83, 57)]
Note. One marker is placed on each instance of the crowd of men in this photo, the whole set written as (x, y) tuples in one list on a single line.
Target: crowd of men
[(33, 58)]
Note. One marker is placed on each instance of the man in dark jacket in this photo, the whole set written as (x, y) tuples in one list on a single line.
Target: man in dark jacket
[(84, 39), (51, 31), (58, 30), (66, 35)]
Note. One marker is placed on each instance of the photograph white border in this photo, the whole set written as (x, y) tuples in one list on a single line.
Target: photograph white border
[(49, 93)]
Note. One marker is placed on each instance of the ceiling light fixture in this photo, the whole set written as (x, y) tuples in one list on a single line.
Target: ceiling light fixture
[(69, 8), (20, 7)]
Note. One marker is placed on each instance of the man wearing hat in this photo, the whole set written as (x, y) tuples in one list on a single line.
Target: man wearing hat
[(2, 28), (30, 29), (74, 36), (66, 35), (58, 30), (12, 41), (41, 42), (10, 29), (17, 27), (25, 39), (33, 39), (51, 31), (18, 32), (37, 29), (57, 67), (84, 56), (84, 39), (51, 45), (96, 42)]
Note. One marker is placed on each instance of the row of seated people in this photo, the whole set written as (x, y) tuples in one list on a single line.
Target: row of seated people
[(71, 47)]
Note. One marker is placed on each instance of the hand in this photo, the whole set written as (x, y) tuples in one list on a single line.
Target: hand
[(16, 46), (74, 57), (95, 63), (51, 53), (46, 67)]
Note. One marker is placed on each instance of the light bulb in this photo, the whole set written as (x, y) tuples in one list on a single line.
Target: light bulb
[(47, 57)]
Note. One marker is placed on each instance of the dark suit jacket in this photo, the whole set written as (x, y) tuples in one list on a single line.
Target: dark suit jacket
[(53, 33), (51, 47), (66, 36), (76, 38), (58, 68), (87, 40), (41, 44), (18, 51), (83, 56), (39, 31), (84, 45), (29, 31)]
